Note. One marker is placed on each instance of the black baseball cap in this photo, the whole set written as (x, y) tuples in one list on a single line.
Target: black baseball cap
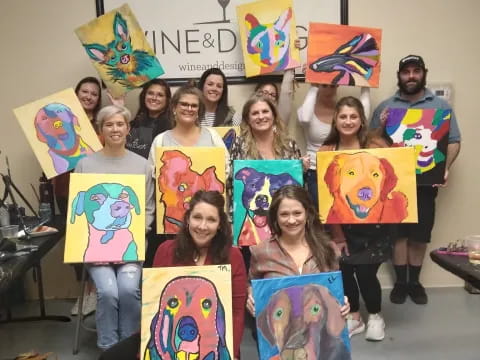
[(411, 60)]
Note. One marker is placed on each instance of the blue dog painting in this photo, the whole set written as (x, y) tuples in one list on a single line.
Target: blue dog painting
[(298, 317), (110, 209), (254, 183), (127, 61)]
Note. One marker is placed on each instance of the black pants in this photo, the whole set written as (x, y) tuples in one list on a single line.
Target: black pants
[(364, 277)]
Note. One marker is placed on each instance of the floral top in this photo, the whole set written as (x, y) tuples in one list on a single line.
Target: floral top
[(239, 151)]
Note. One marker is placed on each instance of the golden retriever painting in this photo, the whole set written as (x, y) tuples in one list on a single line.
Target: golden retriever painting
[(363, 186)]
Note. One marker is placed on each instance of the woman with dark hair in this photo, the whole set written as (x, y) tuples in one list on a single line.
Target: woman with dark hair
[(205, 238), (365, 246), (213, 85), (89, 92), (152, 116)]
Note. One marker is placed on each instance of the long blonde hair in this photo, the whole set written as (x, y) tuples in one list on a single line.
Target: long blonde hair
[(280, 140)]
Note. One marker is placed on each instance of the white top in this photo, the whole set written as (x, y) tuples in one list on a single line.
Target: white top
[(208, 119), (315, 131)]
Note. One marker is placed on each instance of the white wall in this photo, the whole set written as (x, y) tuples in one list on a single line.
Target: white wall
[(42, 55)]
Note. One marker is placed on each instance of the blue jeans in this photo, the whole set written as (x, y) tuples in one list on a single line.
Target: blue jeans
[(118, 301), (311, 183)]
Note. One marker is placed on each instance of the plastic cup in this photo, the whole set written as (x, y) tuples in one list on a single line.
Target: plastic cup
[(9, 231), (473, 245)]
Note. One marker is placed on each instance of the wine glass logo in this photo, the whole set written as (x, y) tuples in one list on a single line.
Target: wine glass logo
[(223, 4)]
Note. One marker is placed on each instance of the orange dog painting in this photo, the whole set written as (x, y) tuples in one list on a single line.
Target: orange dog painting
[(181, 172), (367, 186)]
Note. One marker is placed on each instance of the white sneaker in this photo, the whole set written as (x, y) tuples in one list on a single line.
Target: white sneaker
[(354, 326), (90, 303), (375, 328)]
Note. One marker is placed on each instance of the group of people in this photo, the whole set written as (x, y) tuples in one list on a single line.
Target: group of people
[(299, 243)]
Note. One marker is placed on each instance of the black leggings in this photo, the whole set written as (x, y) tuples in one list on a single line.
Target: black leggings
[(362, 276)]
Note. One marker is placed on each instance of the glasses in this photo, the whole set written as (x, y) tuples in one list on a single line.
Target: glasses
[(186, 105), (266, 93)]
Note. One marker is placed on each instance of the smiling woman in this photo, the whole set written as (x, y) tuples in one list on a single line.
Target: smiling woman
[(206, 239)]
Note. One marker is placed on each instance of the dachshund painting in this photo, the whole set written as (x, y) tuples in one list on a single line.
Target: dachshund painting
[(177, 183), (108, 209), (190, 322), (362, 185), (304, 322), (57, 126)]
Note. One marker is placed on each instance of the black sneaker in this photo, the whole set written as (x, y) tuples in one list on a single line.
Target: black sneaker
[(399, 293), (417, 293)]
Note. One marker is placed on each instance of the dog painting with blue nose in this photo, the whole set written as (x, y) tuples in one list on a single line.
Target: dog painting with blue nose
[(109, 209), (257, 188), (190, 322)]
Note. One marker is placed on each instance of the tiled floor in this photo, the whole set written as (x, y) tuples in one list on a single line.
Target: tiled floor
[(447, 328)]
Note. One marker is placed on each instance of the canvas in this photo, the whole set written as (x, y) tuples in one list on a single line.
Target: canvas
[(426, 130), (267, 34), (343, 55), (106, 218), (181, 172), (187, 313), (298, 317), (119, 51), (367, 186), (58, 130), (228, 134), (254, 183)]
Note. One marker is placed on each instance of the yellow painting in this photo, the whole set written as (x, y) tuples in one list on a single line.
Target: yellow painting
[(187, 313), (367, 186), (58, 130), (267, 35), (228, 134), (105, 218), (119, 50), (180, 173)]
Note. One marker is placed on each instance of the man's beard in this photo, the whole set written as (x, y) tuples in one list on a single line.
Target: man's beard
[(404, 89)]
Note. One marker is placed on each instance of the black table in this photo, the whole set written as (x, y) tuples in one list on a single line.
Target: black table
[(458, 265), (14, 268)]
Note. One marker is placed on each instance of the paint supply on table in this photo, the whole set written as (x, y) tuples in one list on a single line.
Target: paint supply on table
[(473, 246)]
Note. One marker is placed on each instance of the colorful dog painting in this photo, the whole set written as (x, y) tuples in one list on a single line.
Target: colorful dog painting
[(59, 131), (426, 130), (180, 174), (108, 210), (298, 317), (56, 126), (191, 313), (255, 182), (343, 55), (267, 40), (127, 60), (228, 134), (363, 186)]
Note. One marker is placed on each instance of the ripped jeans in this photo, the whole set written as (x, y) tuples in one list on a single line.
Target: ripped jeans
[(118, 301)]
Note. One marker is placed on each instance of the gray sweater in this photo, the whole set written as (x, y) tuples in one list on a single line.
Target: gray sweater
[(130, 163)]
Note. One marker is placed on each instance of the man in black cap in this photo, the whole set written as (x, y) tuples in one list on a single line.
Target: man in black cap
[(411, 246)]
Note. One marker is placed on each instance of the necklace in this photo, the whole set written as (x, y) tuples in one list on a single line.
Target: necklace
[(196, 257)]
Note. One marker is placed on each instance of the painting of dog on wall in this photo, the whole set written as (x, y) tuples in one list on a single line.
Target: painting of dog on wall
[(180, 173), (254, 183), (119, 50), (187, 313), (425, 130), (106, 218), (267, 32), (298, 317), (343, 55), (367, 186), (58, 131)]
